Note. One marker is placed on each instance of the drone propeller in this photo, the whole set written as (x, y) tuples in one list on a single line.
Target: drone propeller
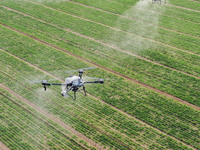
[(41, 81), (93, 78), (71, 71)]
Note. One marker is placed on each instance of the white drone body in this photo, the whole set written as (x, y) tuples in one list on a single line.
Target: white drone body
[(73, 83)]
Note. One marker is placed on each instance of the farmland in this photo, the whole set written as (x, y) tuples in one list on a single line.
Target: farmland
[(153, 99)]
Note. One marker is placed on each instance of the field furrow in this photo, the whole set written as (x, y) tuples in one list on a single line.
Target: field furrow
[(121, 50), (174, 14), (117, 73), (43, 104), (29, 125), (147, 53), (53, 118), (78, 109), (150, 82), (103, 22), (133, 18), (97, 90), (181, 53)]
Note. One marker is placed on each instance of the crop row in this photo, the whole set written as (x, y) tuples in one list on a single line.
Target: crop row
[(132, 62), (59, 102), (162, 78), (79, 125), (172, 62), (66, 107), (167, 12), (27, 130), (125, 101), (184, 83), (180, 55), (138, 27), (65, 116), (186, 4), (163, 55)]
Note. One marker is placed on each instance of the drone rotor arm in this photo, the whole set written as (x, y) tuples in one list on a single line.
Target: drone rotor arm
[(99, 81), (50, 84), (71, 71)]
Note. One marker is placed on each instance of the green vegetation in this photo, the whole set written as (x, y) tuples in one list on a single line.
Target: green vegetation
[(23, 128), (162, 78), (108, 115), (149, 108)]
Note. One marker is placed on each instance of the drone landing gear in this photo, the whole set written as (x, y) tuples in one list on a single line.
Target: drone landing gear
[(45, 88), (158, 1), (84, 92)]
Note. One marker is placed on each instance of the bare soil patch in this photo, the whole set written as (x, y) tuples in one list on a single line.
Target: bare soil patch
[(3, 146)]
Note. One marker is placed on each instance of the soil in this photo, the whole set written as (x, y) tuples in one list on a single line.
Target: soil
[(3, 146)]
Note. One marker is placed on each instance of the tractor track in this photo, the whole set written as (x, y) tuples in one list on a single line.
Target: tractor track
[(53, 118), (107, 69), (3, 146), (104, 102), (105, 44)]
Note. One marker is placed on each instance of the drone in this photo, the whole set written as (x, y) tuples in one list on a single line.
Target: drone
[(73, 83), (157, 1)]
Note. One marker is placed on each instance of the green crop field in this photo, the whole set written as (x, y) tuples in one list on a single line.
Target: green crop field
[(148, 53)]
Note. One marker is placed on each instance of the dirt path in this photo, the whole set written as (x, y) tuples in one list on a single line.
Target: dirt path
[(112, 106), (107, 45), (3, 146), (53, 118), (109, 70)]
